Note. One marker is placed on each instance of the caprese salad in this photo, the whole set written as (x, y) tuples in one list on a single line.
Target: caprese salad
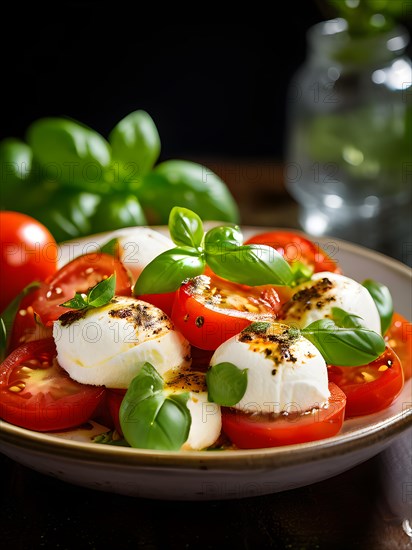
[(201, 341)]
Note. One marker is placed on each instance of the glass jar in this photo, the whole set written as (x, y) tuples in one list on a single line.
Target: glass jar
[(349, 136)]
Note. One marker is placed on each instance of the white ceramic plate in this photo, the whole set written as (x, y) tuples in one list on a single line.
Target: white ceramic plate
[(232, 474)]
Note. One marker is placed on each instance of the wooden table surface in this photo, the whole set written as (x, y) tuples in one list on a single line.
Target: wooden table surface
[(349, 511)]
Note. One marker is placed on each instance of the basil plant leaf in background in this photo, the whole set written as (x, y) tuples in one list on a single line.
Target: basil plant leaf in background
[(135, 145), (167, 271), (185, 227), (71, 152), (223, 238), (15, 163), (149, 418), (187, 184), (383, 301)]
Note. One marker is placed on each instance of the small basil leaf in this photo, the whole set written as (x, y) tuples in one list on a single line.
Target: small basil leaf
[(102, 293), (346, 320), (186, 228), (149, 419), (221, 239), (8, 316), (168, 270), (301, 272), (226, 384), (383, 301), (251, 265), (111, 247), (77, 302), (135, 143), (350, 347)]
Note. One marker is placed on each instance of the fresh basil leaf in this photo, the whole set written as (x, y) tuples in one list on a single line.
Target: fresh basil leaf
[(221, 239), (135, 144), (346, 320), (168, 270), (8, 315), (189, 185), (350, 347), (110, 247), (70, 152), (102, 293), (301, 272), (149, 419), (185, 227), (16, 163), (226, 384), (251, 265), (383, 301), (77, 302)]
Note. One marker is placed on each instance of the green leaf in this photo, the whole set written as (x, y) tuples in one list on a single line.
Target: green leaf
[(168, 270), (344, 319), (70, 152), (383, 301), (251, 265), (149, 419), (226, 384), (301, 272), (8, 315), (135, 143), (185, 227), (110, 247), (77, 302), (116, 211), (102, 293), (259, 326), (220, 240), (189, 185), (341, 346)]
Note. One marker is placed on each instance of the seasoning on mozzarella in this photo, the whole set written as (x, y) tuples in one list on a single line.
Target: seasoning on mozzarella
[(107, 346), (286, 373), (206, 416), (315, 299)]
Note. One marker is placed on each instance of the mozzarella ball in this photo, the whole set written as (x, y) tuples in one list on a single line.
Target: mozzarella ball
[(206, 417), (315, 299), (285, 372), (107, 346)]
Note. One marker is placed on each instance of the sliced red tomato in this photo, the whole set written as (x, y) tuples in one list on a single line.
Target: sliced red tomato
[(28, 253), (162, 301), (296, 248), (36, 393), (251, 431), (209, 310), (399, 338), (114, 400), (369, 388), (79, 275)]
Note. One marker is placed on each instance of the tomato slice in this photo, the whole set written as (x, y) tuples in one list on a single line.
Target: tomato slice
[(79, 275), (210, 310), (399, 338), (369, 388), (250, 431), (296, 248), (114, 400), (162, 301), (37, 394)]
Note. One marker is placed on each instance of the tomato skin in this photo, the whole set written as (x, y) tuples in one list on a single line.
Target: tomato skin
[(114, 400), (363, 397), (50, 400), (79, 275), (248, 432), (207, 321), (28, 253), (399, 338), (296, 247), (162, 301)]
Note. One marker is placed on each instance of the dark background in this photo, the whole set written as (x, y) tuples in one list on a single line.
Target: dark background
[(213, 88)]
